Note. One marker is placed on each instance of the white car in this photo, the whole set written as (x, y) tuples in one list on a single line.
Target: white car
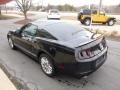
[(54, 14)]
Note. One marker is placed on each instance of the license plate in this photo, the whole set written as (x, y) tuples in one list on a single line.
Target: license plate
[(99, 61)]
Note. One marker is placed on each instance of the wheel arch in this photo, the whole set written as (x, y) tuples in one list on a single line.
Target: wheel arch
[(87, 18), (44, 52), (111, 18), (8, 36), (84, 20)]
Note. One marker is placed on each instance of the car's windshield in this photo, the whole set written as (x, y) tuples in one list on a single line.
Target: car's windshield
[(54, 11), (65, 31)]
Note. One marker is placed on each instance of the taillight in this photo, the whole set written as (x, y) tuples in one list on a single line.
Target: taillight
[(88, 53), (104, 42), (90, 50), (82, 55), (85, 54)]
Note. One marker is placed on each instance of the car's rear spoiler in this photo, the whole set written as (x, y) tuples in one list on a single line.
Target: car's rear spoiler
[(92, 43)]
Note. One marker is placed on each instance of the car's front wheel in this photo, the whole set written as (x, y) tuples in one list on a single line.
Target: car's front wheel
[(47, 65), (11, 43)]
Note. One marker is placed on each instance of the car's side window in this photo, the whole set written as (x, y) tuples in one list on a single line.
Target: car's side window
[(44, 34), (30, 30), (94, 12)]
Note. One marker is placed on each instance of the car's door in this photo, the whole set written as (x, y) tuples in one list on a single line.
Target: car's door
[(17, 36), (27, 35), (94, 16), (98, 17), (43, 42), (102, 17)]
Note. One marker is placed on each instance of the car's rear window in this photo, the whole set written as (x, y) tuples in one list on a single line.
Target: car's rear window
[(65, 31), (53, 11)]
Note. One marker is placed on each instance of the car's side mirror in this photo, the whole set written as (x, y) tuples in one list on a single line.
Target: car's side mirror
[(24, 34), (17, 31)]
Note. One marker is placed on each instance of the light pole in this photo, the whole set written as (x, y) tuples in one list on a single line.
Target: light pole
[(91, 17), (100, 5), (42, 4), (0, 11)]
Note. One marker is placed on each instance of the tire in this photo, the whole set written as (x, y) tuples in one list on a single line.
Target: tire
[(82, 22), (87, 21), (78, 17), (47, 65), (111, 22), (11, 43)]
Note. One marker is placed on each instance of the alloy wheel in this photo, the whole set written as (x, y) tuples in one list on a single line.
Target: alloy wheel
[(111, 22), (46, 65), (87, 22), (11, 43)]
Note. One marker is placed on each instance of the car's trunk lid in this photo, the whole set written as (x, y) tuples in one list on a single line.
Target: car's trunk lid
[(82, 40)]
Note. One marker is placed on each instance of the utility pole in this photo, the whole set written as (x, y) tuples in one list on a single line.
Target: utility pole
[(42, 4), (6, 8), (91, 17), (100, 5), (0, 10)]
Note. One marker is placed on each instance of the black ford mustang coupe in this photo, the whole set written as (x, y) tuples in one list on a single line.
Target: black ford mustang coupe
[(58, 45)]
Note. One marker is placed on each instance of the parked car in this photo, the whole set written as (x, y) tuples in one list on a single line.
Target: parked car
[(58, 45), (86, 15), (54, 14)]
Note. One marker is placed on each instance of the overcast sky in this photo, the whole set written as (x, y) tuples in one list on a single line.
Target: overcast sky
[(73, 2)]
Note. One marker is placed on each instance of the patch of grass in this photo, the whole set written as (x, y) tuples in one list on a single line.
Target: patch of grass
[(28, 14), (5, 17), (118, 21), (69, 18), (113, 34)]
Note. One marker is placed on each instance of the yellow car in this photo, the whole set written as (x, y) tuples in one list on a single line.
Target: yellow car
[(86, 15)]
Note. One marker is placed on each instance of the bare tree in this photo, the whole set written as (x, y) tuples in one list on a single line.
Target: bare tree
[(24, 6), (0, 11)]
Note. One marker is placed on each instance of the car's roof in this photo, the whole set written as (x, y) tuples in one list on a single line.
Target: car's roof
[(60, 29)]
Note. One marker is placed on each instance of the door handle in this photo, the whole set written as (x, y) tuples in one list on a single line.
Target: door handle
[(27, 38), (34, 40)]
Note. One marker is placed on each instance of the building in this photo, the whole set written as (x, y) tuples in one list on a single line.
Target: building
[(4, 1)]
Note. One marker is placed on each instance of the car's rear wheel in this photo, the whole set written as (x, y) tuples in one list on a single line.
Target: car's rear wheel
[(11, 43), (87, 21), (111, 22), (82, 22), (47, 65)]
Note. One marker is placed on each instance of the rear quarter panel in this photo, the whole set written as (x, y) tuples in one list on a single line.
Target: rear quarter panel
[(59, 53)]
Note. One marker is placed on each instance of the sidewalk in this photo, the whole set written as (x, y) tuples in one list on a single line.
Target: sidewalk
[(5, 83)]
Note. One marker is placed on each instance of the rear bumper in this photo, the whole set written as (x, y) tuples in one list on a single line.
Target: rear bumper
[(84, 68), (53, 16)]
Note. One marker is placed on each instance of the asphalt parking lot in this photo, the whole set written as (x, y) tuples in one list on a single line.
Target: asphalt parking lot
[(26, 69)]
